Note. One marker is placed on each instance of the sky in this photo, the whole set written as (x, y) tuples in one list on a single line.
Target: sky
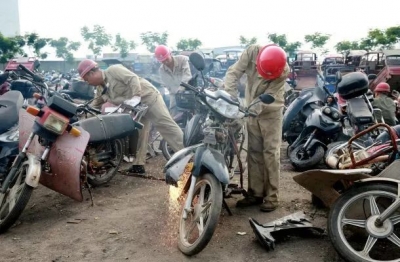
[(214, 22)]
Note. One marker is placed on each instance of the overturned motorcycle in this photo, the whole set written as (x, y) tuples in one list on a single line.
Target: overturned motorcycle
[(206, 179), (364, 220)]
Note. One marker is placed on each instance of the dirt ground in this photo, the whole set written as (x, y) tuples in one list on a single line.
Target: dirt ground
[(133, 220)]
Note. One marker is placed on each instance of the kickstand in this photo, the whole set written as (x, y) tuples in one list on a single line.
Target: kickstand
[(227, 207), (90, 192)]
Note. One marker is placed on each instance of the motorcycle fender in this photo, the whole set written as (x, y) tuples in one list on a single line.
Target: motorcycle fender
[(320, 182), (317, 142), (34, 171), (213, 161), (293, 110)]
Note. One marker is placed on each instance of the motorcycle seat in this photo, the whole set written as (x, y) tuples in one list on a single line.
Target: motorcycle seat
[(359, 112), (10, 104)]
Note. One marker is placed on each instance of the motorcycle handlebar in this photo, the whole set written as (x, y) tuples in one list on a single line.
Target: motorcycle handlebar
[(36, 78)]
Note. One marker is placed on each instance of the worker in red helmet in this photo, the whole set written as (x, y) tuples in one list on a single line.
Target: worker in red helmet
[(173, 71), (266, 69), (119, 84), (385, 103)]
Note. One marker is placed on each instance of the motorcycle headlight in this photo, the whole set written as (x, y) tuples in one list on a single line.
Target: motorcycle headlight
[(327, 110), (55, 124), (224, 108)]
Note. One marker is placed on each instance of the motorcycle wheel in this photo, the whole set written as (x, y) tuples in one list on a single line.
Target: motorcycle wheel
[(18, 195), (331, 149), (305, 160), (362, 244), (166, 150), (205, 211), (112, 165)]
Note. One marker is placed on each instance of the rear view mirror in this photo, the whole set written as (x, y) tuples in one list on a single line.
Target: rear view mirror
[(266, 98), (197, 60), (371, 76)]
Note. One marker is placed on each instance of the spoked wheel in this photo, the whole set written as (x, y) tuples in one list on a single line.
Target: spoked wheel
[(14, 201), (104, 162), (198, 228), (352, 228)]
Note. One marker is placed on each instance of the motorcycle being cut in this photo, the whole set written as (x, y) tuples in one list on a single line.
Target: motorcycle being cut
[(207, 178), (54, 152), (364, 220)]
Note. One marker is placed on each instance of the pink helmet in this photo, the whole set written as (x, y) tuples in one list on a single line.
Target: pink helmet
[(162, 53), (382, 87), (85, 66)]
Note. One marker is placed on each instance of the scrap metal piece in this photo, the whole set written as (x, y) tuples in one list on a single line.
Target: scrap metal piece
[(294, 223)]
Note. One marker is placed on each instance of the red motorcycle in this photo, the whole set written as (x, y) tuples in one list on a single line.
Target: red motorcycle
[(56, 153)]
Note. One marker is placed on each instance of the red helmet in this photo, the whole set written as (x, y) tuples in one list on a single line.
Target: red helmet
[(382, 87), (85, 66), (271, 61), (161, 53)]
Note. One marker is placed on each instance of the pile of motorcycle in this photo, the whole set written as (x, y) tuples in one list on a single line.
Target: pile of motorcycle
[(362, 184), (317, 120)]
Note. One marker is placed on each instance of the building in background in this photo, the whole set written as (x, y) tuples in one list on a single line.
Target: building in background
[(9, 18)]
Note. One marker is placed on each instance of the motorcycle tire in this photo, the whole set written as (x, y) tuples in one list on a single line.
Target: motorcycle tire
[(166, 150), (310, 162), (333, 224), (211, 223), (118, 151), (7, 220)]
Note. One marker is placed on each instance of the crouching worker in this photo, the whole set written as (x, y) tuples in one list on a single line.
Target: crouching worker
[(385, 104), (120, 84)]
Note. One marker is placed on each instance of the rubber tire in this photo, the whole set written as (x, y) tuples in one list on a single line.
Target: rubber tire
[(333, 232), (301, 165), (118, 145), (215, 211), (20, 205), (164, 149)]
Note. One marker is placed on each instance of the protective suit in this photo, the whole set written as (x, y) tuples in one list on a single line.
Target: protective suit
[(173, 78), (265, 130), (123, 84)]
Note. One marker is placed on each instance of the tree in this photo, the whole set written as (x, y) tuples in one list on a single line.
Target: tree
[(97, 38), (33, 40), (123, 46), (152, 39), (382, 39), (282, 41), (318, 41), (9, 47), (64, 48), (247, 41), (344, 46), (188, 44)]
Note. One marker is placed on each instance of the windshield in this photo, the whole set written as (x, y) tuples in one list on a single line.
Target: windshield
[(393, 60)]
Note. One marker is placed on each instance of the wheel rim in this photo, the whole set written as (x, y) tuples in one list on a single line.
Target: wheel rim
[(9, 199), (303, 154), (198, 215), (373, 203)]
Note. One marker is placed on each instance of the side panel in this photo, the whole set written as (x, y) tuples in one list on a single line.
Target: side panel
[(64, 159), (293, 109)]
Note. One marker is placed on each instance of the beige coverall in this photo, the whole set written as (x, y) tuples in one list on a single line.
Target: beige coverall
[(122, 85), (172, 78), (265, 130)]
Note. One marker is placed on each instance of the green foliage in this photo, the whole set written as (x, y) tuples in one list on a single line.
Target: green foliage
[(151, 40), (64, 48), (345, 46), (97, 38), (247, 41), (281, 40), (123, 46), (317, 40), (9, 47), (188, 44)]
